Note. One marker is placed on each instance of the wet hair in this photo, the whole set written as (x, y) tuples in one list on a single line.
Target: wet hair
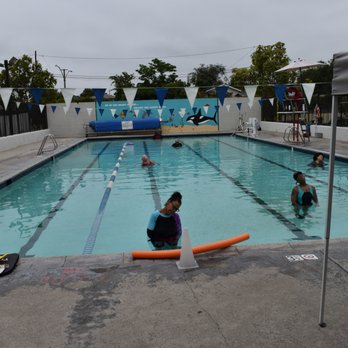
[(316, 155), (296, 174), (176, 196)]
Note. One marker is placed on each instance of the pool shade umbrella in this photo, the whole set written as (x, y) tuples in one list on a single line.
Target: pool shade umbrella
[(300, 65), (339, 87)]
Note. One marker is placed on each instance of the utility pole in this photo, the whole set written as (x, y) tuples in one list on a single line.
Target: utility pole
[(7, 74), (64, 73)]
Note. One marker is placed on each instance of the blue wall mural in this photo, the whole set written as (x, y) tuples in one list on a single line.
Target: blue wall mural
[(175, 112)]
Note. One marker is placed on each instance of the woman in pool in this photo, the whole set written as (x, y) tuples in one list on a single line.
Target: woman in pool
[(318, 160), (302, 195), (145, 161), (164, 227)]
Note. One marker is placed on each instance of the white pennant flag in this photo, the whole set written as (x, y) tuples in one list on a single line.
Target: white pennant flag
[(271, 100), (250, 91), (65, 108), (191, 93), (5, 95), (89, 111), (18, 104), (68, 93), (182, 112), (41, 107), (113, 112), (136, 112), (308, 89), (206, 108), (130, 95), (228, 107), (160, 112)]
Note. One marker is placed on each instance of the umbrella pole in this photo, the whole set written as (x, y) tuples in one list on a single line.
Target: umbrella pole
[(329, 207)]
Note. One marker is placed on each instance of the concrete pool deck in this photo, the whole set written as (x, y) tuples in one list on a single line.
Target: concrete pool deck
[(243, 296)]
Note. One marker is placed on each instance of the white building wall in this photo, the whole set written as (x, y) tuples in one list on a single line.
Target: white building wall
[(229, 120), (71, 124), (12, 141), (341, 132)]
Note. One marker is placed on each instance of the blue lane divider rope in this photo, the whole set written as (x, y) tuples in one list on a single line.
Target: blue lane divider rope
[(89, 246)]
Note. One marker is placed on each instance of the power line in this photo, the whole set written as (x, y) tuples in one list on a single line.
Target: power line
[(149, 57)]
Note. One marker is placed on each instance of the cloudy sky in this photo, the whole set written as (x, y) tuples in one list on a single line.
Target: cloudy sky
[(96, 39)]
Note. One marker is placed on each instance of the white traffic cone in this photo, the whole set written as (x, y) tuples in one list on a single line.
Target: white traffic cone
[(187, 261)]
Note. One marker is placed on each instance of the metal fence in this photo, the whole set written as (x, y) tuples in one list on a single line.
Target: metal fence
[(23, 119)]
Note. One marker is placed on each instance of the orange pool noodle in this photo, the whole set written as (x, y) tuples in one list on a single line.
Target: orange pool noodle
[(175, 253)]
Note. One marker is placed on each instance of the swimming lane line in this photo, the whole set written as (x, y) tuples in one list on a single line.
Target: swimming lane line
[(280, 165), (44, 223), (299, 233), (90, 242), (154, 189)]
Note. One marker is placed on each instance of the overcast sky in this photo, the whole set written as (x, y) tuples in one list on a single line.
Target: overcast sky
[(106, 37)]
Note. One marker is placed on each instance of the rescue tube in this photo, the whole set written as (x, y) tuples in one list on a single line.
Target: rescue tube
[(175, 253)]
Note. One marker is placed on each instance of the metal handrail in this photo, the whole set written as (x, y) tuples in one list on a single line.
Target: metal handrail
[(54, 141)]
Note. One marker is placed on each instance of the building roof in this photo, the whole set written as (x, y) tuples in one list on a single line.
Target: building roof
[(231, 92)]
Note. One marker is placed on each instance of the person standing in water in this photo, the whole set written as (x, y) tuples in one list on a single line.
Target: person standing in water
[(303, 195), (164, 227)]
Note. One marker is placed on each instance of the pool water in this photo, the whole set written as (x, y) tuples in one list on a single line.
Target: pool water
[(229, 186)]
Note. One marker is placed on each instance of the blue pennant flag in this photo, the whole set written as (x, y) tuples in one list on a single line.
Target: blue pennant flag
[(53, 107), (261, 101), (171, 112), (37, 94), (280, 91), (29, 105), (221, 92), (239, 105), (125, 112), (161, 93), (77, 110), (194, 109), (99, 94), (101, 112), (148, 111)]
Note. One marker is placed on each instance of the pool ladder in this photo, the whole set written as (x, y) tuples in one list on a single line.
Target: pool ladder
[(54, 141)]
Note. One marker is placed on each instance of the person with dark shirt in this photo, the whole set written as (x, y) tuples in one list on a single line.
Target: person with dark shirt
[(164, 227), (302, 195), (177, 143), (318, 160)]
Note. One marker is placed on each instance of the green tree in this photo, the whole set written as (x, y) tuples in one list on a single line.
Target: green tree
[(121, 81), (158, 74), (87, 95), (208, 75), (24, 73), (242, 77), (264, 62)]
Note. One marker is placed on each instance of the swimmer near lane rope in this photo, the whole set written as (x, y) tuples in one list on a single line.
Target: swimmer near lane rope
[(89, 246)]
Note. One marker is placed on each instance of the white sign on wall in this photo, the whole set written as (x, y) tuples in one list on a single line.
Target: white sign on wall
[(126, 125)]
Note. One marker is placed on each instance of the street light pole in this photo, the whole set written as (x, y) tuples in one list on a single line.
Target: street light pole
[(64, 73)]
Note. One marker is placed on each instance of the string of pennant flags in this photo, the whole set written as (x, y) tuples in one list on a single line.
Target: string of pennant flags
[(161, 93)]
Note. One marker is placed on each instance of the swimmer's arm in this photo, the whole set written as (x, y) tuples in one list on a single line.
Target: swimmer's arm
[(152, 224), (294, 195), (315, 197)]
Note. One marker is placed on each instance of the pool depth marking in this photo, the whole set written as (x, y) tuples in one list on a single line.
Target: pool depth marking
[(279, 165), (154, 189), (299, 233), (44, 223), (89, 246)]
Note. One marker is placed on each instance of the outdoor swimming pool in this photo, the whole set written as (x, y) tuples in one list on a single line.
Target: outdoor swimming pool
[(229, 186)]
